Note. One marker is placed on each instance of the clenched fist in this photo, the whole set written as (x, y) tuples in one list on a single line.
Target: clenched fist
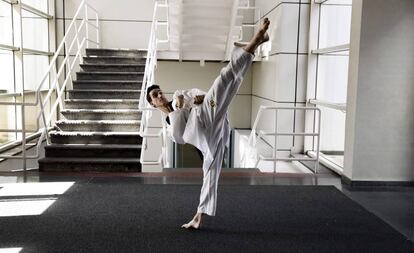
[(180, 101), (198, 99)]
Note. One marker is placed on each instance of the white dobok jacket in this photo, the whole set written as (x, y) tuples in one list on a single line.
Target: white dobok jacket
[(206, 126)]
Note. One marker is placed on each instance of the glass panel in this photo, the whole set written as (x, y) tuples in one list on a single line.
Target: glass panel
[(332, 130), (35, 32), (5, 24), (8, 115), (332, 78), (6, 71), (41, 5), (35, 66), (335, 25)]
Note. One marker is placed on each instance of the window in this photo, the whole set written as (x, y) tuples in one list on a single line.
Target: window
[(21, 74), (330, 26)]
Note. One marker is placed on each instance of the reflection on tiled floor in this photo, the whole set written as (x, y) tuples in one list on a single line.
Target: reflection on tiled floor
[(336, 159), (283, 167)]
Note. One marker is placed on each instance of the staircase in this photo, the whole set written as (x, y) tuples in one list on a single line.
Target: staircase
[(99, 131)]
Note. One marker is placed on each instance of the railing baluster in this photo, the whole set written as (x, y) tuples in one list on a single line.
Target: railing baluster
[(252, 136), (148, 80)]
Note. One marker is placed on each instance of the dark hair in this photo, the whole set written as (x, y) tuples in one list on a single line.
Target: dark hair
[(149, 89)]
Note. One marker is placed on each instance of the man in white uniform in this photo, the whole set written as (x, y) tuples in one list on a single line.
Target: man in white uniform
[(200, 118)]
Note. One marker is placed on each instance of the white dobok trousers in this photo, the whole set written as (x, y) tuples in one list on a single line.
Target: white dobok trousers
[(214, 113)]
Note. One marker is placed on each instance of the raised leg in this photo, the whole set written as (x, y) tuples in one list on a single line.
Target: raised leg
[(214, 109)]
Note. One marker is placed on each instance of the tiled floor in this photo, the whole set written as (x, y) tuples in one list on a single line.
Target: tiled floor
[(395, 205)]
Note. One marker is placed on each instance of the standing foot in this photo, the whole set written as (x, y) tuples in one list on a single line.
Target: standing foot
[(195, 223)]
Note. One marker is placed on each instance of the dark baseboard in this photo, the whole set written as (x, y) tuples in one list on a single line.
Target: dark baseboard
[(356, 183)]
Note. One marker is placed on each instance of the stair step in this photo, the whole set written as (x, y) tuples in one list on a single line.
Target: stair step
[(99, 125), (101, 103), (113, 67), (81, 137), (78, 164), (107, 84), (113, 59), (103, 94), (136, 76), (93, 150), (115, 52), (102, 114)]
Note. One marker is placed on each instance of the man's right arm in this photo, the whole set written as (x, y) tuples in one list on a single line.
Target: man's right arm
[(178, 121)]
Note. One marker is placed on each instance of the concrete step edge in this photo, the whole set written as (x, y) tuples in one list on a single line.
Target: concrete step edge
[(102, 100), (114, 57), (108, 81), (117, 49), (83, 133), (100, 111), (89, 160), (109, 73), (102, 122), (93, 146), (104, 90), (112, 64)]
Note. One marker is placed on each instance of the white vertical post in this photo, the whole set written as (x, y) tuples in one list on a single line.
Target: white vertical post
[(312, 71), (97, 31), (275, 143), (52, 40), (19, 72), (77, 40), (86, 25), (319, 142)]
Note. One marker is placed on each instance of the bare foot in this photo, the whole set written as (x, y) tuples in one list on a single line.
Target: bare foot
[(195, 223), (260, 37)]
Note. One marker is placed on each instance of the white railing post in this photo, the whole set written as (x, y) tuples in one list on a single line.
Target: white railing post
[(19, 60), (276, 133), (275, 145), (148, 79), (319, 141), (98, 40), (87, 26)]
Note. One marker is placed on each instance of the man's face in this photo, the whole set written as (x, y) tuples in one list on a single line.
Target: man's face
[(157, 98)]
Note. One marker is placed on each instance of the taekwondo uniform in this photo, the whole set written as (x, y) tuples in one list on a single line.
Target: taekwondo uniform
[(206, 126)]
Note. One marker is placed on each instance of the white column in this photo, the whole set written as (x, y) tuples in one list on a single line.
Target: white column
[(379, 142)]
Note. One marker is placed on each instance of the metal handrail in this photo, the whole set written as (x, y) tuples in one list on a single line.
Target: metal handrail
[(252, 138), (148, 80), (336, 106), (44, 117)]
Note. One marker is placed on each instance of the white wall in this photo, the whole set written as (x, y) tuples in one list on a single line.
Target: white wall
[(124, 24), (280, 79), (379, 143)]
